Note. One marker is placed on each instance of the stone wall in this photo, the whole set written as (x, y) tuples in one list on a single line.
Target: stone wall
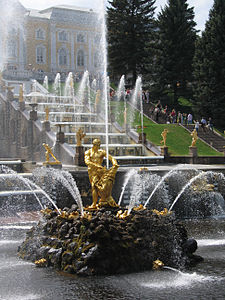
[(22, 134)]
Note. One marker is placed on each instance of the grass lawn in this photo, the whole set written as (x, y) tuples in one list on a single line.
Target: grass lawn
[(178, 139)]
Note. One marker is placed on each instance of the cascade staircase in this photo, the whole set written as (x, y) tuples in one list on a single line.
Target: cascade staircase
[(210, 137), (72, 115)]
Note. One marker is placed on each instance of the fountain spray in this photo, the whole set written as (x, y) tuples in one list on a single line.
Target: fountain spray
[(105, 88)]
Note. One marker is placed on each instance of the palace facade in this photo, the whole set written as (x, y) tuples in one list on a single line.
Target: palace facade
[(58, 39)]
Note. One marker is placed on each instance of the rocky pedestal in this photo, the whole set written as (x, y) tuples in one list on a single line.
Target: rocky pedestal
[(100, 242), (79, 156), (46, 126), (164, 151), (193, 151), (22, 105)]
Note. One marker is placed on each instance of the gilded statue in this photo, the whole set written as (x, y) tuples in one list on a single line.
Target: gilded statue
[(164, 136), (80, 135), (47, 156), (21, 93), (101, 179), (46, 114), (194, 135), (97, 99)]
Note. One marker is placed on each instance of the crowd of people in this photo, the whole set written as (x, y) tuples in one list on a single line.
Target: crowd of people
[(164, 115), (158, 113)]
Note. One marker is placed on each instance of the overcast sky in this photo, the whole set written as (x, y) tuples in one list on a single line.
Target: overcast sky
[(201, 7)]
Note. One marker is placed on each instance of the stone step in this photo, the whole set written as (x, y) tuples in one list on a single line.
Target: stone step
[(210, 137)]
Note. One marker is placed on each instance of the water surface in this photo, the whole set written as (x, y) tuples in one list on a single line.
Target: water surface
[(22, 280)]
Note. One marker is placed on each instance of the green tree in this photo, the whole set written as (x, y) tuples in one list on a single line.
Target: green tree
[(209, 66), (175, 48), (130, 28)]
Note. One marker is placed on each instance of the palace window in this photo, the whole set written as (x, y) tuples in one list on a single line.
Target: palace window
[(80, 58), (40, 34), (63, 36), (40, 55), (62, 57), (80, 38), (12, 48)]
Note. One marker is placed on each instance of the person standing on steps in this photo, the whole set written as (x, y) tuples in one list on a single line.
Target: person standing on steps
[(189, 118), (196, 125), (210, 124), (203, 124)]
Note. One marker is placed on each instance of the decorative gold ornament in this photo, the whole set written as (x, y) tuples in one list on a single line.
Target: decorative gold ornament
[(140, 207), (73, 215), (87, 215), (41, 263), (122, 214), (164, 212), (143, 169), (46, 211), (157, 264), (202, 185)]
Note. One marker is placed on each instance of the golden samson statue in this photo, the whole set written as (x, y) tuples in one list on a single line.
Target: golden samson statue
[(101, 179)]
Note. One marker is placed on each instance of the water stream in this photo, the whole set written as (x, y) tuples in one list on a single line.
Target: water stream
[(161, 181), (66, 179)]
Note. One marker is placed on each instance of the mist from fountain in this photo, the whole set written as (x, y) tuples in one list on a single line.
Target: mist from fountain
[(136, 101), (11, 24), (65, 178), (45, 82), (89, 94), (137, 189), (69, 86), (73, 189), (173, 269), (94, 85), (13, 175), (57, 85), (128, 176), (82, 89), (191, 181), (141, 184), (121, 91), (161, 181), (105, 94), (34, 85)]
